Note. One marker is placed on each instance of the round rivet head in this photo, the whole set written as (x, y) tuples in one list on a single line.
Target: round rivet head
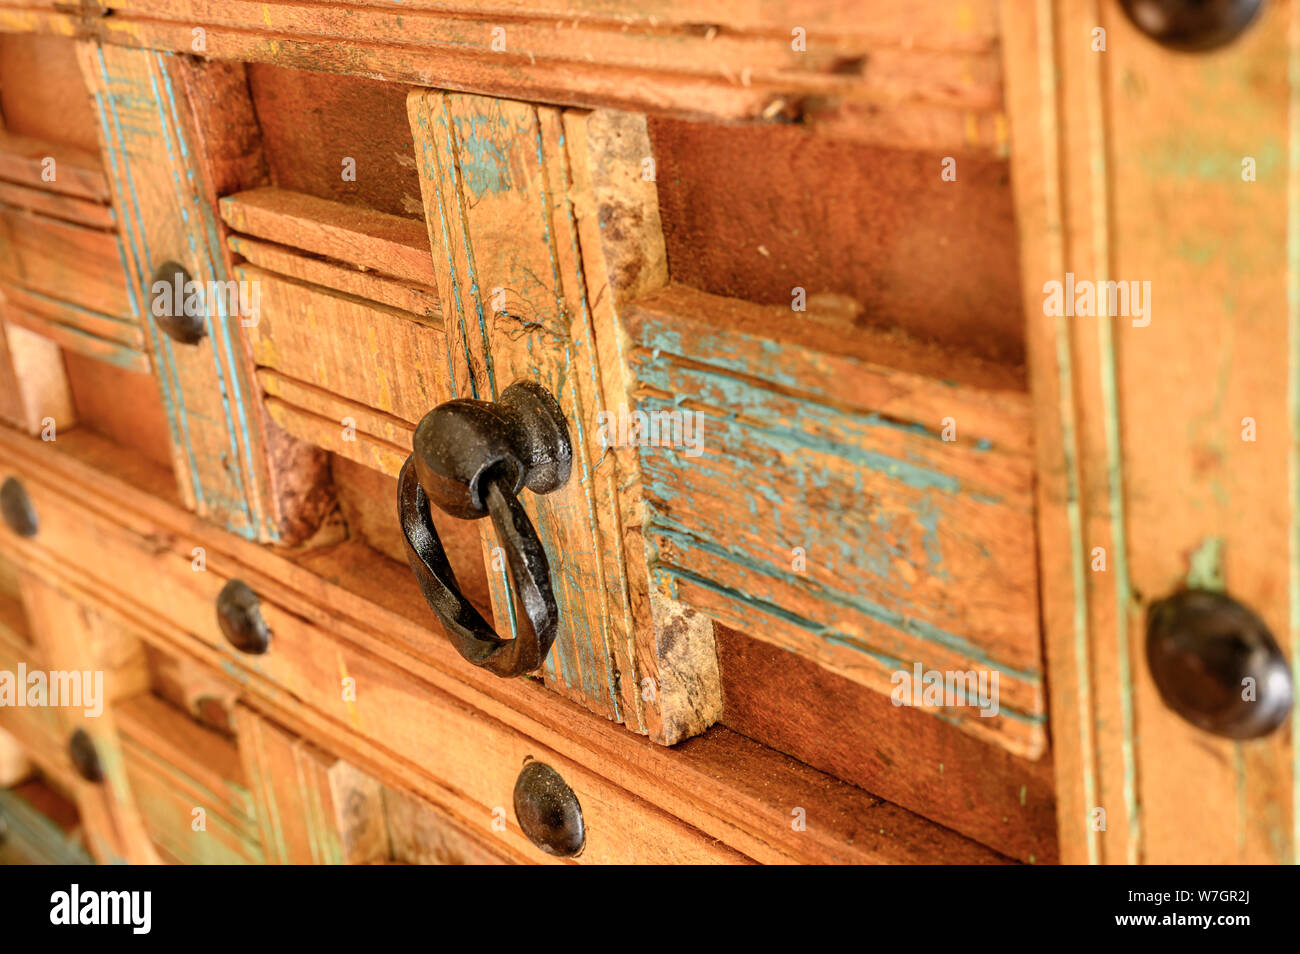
[(239, 613), (548, 811), (1192, 25), (179, 313), (1217, 665), (85, 759), (19, 514)]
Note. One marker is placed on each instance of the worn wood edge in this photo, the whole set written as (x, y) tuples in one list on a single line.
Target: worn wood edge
[(615, 211), (43, 390), (717, 72), (341, 277), (391, 245)]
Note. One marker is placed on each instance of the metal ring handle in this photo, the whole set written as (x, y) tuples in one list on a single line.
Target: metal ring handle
[(468, 631)]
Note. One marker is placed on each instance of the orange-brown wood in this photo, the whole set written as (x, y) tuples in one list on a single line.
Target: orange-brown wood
[(1128, 166), (874, 71), (723, 785), (312, 808), (168, 164)]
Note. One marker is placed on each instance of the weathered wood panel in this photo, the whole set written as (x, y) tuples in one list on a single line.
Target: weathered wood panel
[(810, 497), (908, 756), (1128, 166), (928, 79), (74, 638), (176, 134), (312, 808), (77, 172), (381, 357), (514, 292), (67, 262)]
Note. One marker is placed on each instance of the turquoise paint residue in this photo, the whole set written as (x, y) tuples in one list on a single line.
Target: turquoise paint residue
[(483, 161), (928, 516), (917, 628), (829, 635)]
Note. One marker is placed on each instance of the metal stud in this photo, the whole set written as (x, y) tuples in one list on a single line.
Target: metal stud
[(548, 811), (85, 758), (168, 297), (1192, 26), (1217, 665), (239, 613), (19, 514)]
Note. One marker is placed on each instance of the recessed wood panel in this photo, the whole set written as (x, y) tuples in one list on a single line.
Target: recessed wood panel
[(756, 212), (123, 405)]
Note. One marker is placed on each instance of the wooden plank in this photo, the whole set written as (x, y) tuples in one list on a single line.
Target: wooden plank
[(389, 244), (325, 404), (389, 360), (615, 213), (908, 240), (418, 299), (313, 808), (516, 306), (79, 339), (421, 835), (837, 521), (931, 81), (335, 435), (68, 208), (169, 814), (121, 330), (906, 755), (78, 173), (205, 763), (731, 790), (176, 133), (68, 262), (1162, 494)]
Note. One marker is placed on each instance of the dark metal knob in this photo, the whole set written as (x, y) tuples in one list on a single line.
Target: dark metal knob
[(1216, 664), (19, 514), (472, 459), (1192, 25), (548, 811), (176, 305), (85, 758), (239, 613)]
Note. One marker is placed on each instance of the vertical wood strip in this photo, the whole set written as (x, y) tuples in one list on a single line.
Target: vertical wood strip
[(1127, 163), (1293, 400), (508, 196)]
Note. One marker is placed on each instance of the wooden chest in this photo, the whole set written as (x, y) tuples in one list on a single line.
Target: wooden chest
[(865, 432)]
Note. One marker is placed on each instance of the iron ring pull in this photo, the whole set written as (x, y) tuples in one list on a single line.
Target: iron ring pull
[(472, 459)]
